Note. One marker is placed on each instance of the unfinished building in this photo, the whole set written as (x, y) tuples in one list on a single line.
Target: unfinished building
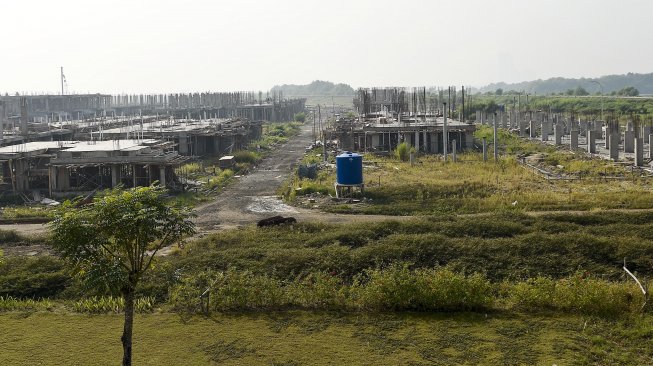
[(63, 168), (388, 117), (213, 137)]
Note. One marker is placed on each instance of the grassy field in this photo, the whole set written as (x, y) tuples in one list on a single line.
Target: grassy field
[(307, 338), (433, 187)]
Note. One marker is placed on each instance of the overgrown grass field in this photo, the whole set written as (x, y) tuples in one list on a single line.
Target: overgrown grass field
[(433, 187), (326, 338)]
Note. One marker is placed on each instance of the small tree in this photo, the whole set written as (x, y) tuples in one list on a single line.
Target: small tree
[(403, 151), (300, 117), (111, 242)]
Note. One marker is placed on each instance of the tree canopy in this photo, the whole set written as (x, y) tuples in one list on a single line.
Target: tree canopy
[(112, 242)]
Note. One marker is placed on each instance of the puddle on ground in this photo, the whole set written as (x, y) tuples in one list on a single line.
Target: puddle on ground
[(269, 204)]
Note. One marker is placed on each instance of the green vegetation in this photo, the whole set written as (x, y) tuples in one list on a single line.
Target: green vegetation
[(643, 82), (403, 151), (211, 178), (472, 186), (26, 213), (111, 244), (622, 109), (34, 277), (325, 338), (299, 117)]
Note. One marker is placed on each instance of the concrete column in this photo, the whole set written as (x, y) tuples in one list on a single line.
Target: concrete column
[(650, 144), (573, 138), (484, 149), (639, 151), (162, 175), (454, 148), (183, 144), (115, 175), (557, 133), (629, 141), (417, 140), (2, 120), (545, 131), (531, 129), (63, 178), (52, 179), (613, 138), (582, 126), (591, 142)]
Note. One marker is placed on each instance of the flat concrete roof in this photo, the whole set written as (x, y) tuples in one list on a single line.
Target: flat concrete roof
[(111, 145), (166, 125), (420, 123), (36, 146)]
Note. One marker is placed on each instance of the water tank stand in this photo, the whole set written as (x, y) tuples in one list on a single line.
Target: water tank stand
[(344, 190)]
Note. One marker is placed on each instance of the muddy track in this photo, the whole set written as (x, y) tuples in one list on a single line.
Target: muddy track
[(252, 197)]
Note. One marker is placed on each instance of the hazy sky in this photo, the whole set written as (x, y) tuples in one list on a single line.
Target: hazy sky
[(115, 46)]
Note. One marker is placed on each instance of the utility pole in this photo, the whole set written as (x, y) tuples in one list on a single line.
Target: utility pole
[(496, 140), (445, 140), (314, 121), (463, 104), (319, 114)]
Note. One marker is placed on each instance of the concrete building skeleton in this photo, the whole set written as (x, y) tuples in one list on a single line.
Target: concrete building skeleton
[(63, 168)]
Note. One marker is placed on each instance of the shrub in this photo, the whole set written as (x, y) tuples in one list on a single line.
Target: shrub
[(9, 236), (318, 291), (33, 277), (299, 117), (9, 303), (111, 304), (248, 157), (403, 151), (221, 179), (577, 294), (399, 288)]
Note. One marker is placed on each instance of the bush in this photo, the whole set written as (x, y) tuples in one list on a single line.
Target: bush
[(577, 294), (299, 117), (9, 236), (111, 304), (33, 277), (9, 303), (403, 151), (248, 157), (221, 179), (398, 288)]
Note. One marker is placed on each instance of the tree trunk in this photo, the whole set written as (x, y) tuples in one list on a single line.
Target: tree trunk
[(128, 295)]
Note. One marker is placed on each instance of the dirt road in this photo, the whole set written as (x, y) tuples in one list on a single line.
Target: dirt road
[(252, 197)]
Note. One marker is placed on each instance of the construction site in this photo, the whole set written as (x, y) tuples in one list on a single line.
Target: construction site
[(387, 117), (62, 145), (65, 168)]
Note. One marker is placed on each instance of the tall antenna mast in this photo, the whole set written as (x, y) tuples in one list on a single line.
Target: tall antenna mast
[(62, 80)]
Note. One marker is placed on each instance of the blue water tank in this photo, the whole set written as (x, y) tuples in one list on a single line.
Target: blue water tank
[(349, 168)]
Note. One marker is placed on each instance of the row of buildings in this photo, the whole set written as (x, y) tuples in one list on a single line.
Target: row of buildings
[(61, 145)]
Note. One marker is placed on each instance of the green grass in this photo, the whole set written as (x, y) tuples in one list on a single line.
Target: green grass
[(433, 187), (308, 338), (26, 212)]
